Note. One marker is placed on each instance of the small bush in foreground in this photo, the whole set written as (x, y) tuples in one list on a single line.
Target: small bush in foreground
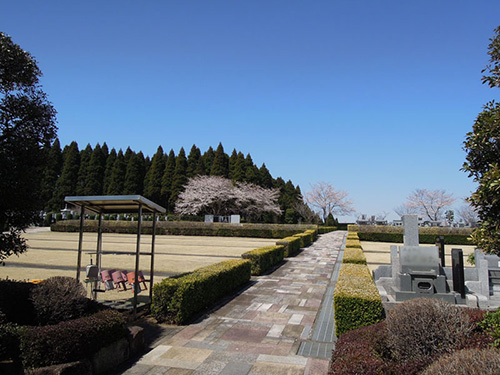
[(59, 299), (424, 328), (71, 340), (467, 361), (364, 351)]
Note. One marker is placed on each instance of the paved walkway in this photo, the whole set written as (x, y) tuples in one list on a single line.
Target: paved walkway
[(262, 329)]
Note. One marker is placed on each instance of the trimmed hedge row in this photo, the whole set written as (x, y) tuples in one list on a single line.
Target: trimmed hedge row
[(264, 258), (452, 236), (187, 228), (354, 255), (176, 300), (71, 340), (352, 243), (291, 245), (323, 230), (307, 237), (356, 299)]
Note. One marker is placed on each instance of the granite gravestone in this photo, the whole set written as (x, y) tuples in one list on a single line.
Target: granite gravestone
[(419, 271)]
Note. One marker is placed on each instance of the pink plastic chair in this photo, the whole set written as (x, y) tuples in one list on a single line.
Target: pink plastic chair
[(107, 279), (118, 279)]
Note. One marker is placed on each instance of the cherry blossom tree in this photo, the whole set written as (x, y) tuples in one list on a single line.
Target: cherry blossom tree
[(219, 196), (468, 215), (325, 198), (429, 203)]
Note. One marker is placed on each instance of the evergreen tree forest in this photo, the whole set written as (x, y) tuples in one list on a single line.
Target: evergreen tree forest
[(161, 178)]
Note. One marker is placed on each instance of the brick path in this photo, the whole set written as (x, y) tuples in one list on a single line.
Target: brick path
[(261, 330)]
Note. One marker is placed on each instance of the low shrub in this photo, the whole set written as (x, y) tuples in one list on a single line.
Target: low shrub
[(58, 299), (491, 325), (176, 300), (424, 328), (323, 230), (360, 351), (357, 302), (71, 340), (427, 235), (262, 259), (353, 244), (467, 361), (352, 236), (15, 303), (305, 239), (354, 255), (291, 245), (187, 228), (313, 233)]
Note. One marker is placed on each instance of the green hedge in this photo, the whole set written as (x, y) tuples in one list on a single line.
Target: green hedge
[(305, 239), (71, 340), (354, 255), (291, 244), (262, 259), (352, 243), (356, 300), (187, 228), (323, 230), (427, 235), (449, 239), (314, 234), (176, 300)]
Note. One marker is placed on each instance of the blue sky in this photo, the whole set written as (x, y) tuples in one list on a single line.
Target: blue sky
[(372, 96)]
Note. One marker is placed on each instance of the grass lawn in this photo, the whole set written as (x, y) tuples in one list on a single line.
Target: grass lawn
[(55, 253)]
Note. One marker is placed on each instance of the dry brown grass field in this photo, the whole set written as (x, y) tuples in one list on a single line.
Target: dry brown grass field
[(55, 253)]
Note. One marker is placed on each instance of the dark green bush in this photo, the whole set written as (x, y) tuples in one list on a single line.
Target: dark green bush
[(291, 244), (9, 341), (71, 340), (262, 259), (491, 325), (59, 299), (47, 220), (356, 300), (424, 328), (15, 303), (176, 300), (467, 361)]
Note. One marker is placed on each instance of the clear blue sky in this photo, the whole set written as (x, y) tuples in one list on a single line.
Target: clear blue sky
[(372, 96)]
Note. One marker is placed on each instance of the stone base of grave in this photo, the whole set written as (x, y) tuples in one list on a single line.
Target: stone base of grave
[(400, 296)]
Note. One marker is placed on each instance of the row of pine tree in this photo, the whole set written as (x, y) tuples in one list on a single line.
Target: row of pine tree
[(100, 171)]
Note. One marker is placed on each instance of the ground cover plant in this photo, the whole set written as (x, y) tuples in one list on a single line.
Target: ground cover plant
[(419, 336)]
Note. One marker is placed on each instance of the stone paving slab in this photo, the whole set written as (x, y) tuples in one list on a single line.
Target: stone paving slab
[(260, 330)]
